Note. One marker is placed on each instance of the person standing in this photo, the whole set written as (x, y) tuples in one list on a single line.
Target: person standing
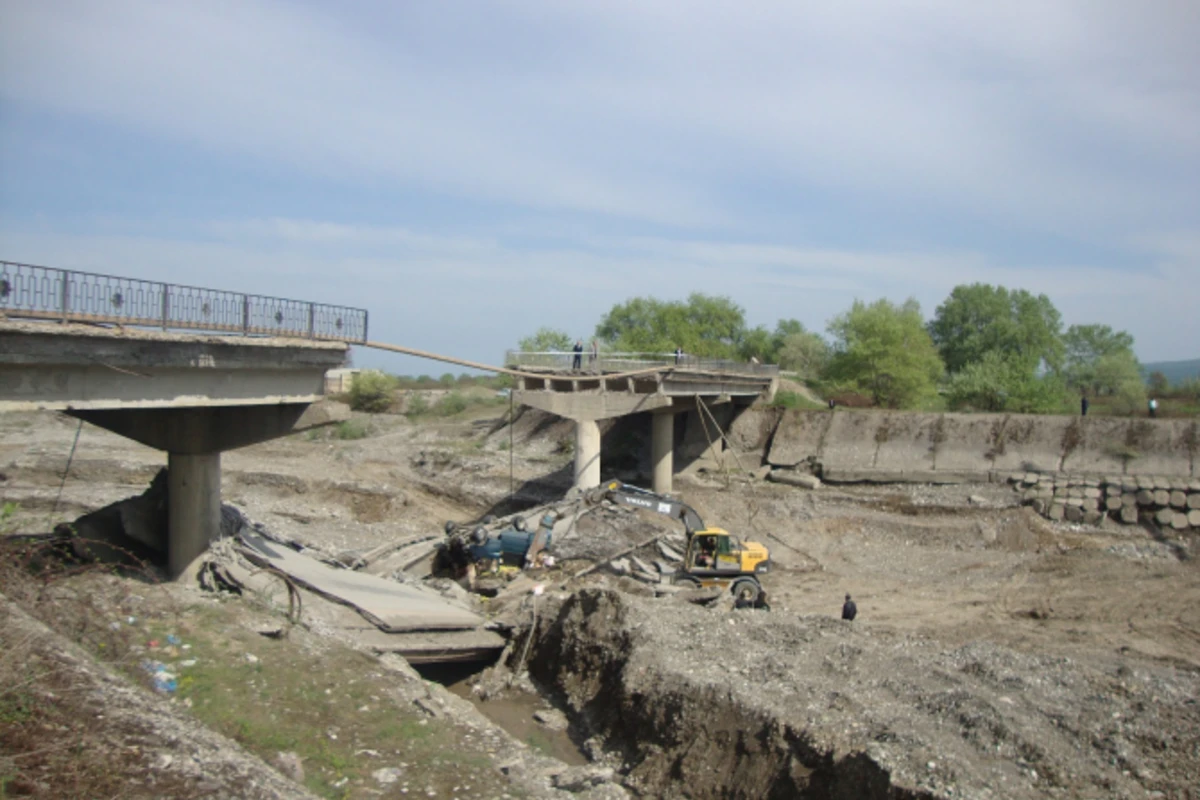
[(1153, 405), (849, 609), (1083, 405), (577, 361), (594, 356), (678, 354)]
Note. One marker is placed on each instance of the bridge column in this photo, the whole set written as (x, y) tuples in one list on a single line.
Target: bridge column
[(193, 508), (662, 450), (587, 453)]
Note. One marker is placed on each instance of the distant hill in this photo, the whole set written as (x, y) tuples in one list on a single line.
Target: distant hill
[(1176, 371)]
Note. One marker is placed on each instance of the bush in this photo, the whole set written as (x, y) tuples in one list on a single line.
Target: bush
[(351, 429), (372, 392), (451, 404), (416, 405), (786, 399)]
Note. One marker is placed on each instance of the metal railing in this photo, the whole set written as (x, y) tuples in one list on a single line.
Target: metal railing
[(35, 292), (553, 361)]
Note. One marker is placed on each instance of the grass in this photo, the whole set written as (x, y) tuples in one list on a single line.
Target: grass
[(788, 399), (328, 707), (341, 711), (351, 429)]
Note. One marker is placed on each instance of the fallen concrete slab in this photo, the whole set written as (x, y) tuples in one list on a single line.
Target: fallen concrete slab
[(390, 606), (434, 647)]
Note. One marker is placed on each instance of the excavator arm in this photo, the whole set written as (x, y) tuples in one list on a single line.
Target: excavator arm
[(636, 497)]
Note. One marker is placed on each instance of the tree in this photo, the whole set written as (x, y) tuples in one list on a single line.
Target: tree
[(978, 318), (805, 353), (885, 350), (546, 340), (703, 326), (1098, 359), (1158, 382), (758, 343), (996, 383), (1119, 375), (768, 346)]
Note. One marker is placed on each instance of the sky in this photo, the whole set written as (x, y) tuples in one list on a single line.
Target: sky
[(469, 172)]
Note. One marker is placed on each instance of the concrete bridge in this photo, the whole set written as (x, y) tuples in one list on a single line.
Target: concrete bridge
[(252, 376), (587, 390), (195, 372)]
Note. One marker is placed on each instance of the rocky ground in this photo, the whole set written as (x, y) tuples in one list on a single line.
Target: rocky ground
[(995, 654)]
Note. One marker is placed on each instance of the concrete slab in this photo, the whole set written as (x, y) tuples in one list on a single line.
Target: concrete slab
[(966, 442), (752, 428), (433, 647), (1099, 448), (798, 437), (56, 366), (1027, 443), (850, 443), (1161, 447), (591, 406), (391, 606), (906, 442)]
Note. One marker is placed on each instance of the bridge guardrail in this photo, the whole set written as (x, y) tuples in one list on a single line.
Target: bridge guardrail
[(35, 292), (627, 362)]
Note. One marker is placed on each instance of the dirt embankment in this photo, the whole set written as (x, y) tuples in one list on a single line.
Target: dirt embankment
[(699, 703)]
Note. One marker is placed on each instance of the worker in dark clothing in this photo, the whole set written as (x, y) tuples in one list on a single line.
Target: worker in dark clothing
[(849, 610), (578, 350), (1083, 405)]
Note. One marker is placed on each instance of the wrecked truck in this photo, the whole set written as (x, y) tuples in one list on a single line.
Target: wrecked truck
[(476, 549)]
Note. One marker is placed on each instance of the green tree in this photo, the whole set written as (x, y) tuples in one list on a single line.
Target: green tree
[(996, 383), (768, 346), (979, 318), (885, 350), (1119, 375), (703, 325), (758, 343), (1098, 359), (546, 340), (804, 353), (1158, 382)]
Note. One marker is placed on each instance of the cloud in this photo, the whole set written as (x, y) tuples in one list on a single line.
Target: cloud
[(472, 172), (1047, 115), (474, 296)]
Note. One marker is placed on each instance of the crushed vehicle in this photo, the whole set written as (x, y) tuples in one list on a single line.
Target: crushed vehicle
[(474, 549)]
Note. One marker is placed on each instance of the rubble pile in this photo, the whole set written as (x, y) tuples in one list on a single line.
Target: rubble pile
[(1132, 499)]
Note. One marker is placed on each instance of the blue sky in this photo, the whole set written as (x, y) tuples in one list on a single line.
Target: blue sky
[(469, 172)]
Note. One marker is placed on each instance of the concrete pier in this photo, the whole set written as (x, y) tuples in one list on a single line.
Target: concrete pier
[(194, 508), (662, 450), (587, 453)]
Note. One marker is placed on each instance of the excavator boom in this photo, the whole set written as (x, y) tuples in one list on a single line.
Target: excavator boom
[(637, 497)]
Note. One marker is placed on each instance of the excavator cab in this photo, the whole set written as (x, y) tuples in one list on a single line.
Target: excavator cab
[(715, 552)]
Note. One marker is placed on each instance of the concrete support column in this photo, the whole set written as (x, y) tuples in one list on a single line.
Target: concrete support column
[(194, 506), (662, 451), (587, 453)]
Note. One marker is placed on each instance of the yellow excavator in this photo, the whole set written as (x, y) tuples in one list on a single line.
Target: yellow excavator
[(714, 556)]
